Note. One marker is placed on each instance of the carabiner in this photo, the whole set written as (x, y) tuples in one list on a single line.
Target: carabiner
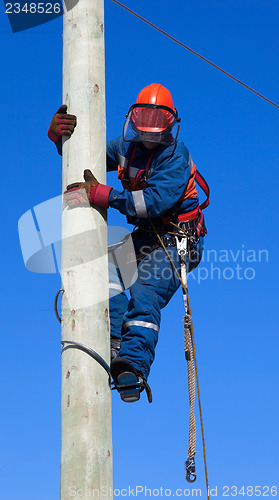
[(181, 245), (190, 471)]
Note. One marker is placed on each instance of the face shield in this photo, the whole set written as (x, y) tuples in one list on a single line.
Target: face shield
[(151, 123)]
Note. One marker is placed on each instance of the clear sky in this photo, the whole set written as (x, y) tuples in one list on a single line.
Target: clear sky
[(233, 138)]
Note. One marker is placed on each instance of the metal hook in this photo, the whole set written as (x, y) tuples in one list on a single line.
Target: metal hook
[(190, 471)]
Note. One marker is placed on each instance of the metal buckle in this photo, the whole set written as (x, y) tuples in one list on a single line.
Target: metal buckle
[(181, 244)]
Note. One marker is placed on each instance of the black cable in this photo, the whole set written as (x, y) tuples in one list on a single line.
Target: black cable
[(196, 53), (87, 350)]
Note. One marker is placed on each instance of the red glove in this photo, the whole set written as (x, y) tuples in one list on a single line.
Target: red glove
[(61, 124), (96, 193)]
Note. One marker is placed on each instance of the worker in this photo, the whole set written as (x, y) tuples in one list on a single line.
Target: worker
[(159, 189)]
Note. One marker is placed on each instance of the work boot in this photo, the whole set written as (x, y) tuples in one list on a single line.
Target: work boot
[(114, 347), (128, 381)]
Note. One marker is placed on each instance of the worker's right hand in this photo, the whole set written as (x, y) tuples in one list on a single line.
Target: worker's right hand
[(80, 193), (61, 124)]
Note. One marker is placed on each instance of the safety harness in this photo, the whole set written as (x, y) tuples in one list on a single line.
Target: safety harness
[(193, 222), (134, 179)]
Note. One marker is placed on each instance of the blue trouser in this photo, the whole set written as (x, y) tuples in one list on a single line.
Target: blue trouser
[(137, 321)]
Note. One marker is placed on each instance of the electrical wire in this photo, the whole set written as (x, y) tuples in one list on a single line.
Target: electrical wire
[(197, 54)]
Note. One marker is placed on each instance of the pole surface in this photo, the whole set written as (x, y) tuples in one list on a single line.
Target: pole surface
[(86, 447)]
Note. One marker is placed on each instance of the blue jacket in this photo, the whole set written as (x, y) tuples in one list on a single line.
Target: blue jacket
[(169, 173)]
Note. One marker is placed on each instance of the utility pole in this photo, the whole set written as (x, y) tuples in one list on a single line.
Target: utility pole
[(86, 448)]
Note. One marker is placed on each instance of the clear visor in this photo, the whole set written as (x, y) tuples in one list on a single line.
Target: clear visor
[(151, 123)]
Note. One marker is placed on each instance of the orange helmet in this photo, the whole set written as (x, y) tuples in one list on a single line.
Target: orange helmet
[(153, 118), (156, 94)]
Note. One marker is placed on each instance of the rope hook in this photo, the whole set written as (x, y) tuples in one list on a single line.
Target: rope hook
[(190, 471)]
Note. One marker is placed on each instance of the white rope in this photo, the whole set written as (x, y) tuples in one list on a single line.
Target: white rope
[(188, 348)]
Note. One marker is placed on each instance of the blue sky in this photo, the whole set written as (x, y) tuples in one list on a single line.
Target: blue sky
[(233, 138)]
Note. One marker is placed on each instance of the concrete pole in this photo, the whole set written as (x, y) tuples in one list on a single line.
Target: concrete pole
[(86, 451)]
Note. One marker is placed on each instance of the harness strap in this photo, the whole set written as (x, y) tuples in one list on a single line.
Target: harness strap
[(195, 214), (150, 158), (132, 184), (125, 162), (204, 186), (130, 161), (189, 215), (200, 225)]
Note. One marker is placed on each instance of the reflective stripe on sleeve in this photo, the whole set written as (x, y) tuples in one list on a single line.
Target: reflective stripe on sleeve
[(144, 324), (123, 162), (115, 286), (191, 163), (139, 203)]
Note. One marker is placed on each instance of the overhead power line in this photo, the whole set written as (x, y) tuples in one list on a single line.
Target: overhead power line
[(196, 54)]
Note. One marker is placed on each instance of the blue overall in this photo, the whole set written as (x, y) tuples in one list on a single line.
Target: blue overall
[(137, 320)]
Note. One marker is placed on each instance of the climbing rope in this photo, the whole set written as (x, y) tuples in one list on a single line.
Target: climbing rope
[(188, 349), (185, 291)]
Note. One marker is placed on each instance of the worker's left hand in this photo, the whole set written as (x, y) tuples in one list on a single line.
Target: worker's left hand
[(61, 125), (74, 197)]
